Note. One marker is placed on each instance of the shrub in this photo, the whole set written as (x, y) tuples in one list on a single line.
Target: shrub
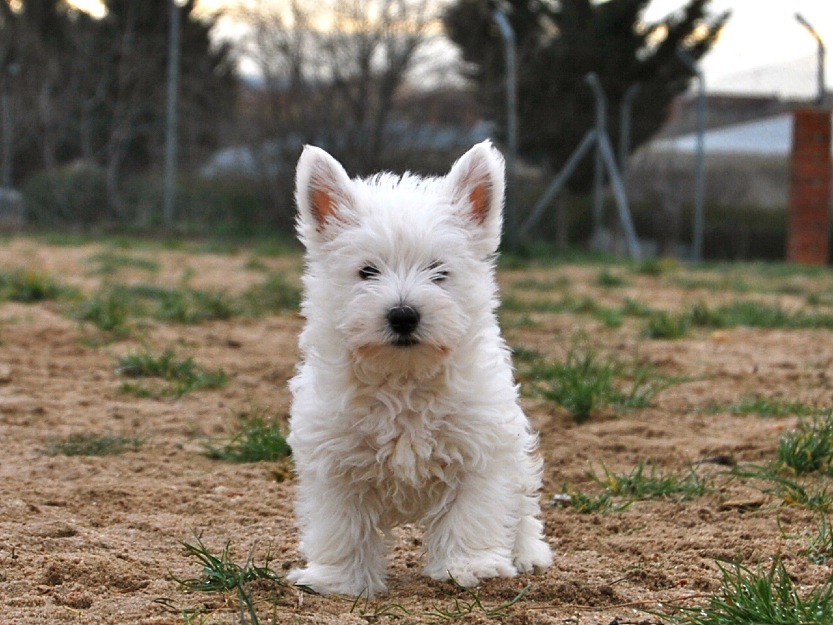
[(74, 195)]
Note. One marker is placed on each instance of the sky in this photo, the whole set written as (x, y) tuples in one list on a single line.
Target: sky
[(762, 49)]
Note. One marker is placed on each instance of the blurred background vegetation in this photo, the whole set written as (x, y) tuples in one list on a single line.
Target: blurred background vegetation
[(382, 84)]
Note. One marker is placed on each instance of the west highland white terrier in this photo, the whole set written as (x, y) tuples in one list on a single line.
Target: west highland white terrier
[(404, 407)]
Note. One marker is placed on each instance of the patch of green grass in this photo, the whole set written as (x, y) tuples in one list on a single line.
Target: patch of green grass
[(375, 611), (204, 306), (761, 598), (586, 382), (255, 263), (648, 482), (805, 492), (108, 311), (258, 439), (109, 262), (581, 384), (220, 246), (609, 280), (93, 445), (513, 303), (568, 304), (808, 448), (29, 286), (654, 266), (755, 314), (719, 283), (178, 376), (114, 306), (635, 308), (783, 270), (819, 299), (280, 245), (766, 407), (585, 503), (559, 283), (746, 313), (812, 497), (518, 321), (820, 548), (608, 317), (219, 574), (667, 325), (471, 603), (621, 490), (66, 239), (276, 294), (191, 306), (525, 354), (183, 305)]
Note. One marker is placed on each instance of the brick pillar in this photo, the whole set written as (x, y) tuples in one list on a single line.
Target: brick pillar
[(808, 221)]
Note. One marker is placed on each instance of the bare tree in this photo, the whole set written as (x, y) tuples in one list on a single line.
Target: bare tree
[(332, 70)]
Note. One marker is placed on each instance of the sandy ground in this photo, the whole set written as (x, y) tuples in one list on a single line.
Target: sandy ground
[(87, 539)]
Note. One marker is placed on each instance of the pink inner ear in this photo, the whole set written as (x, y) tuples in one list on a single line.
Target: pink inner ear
[(480, 198), (321, 206)]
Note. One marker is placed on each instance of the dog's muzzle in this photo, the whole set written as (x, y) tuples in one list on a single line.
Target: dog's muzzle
[(403, 320)]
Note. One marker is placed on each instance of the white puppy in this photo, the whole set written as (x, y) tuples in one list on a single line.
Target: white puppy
[(404, 407)]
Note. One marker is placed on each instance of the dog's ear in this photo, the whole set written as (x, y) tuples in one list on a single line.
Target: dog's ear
[(322, 190), (477, 186)]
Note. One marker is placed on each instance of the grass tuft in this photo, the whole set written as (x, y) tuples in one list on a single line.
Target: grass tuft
[(619, 491), (808, 448), (609, 280), (179, 376), (641, 484), (762, 598), (585, 503), (220, 574), (667, 325), (472, 604), (29, 286), (109, 262), (586, 382), (258, 439), (766, 407), (107, 311), (820, 550), (274, 295)]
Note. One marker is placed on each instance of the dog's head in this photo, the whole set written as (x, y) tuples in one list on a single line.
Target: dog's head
[(400, 268)]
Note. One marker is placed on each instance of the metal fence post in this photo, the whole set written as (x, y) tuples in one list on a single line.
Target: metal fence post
[(171, 118), (598, 167), (698, 225)]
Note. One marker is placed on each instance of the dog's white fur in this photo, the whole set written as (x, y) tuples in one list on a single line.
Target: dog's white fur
[(429, 431)]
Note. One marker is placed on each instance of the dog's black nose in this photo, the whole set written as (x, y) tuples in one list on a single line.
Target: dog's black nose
[(403, 319)]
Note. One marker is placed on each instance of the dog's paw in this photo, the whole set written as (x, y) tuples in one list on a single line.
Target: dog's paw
[(533, 556), (468, 572), (327, 579)]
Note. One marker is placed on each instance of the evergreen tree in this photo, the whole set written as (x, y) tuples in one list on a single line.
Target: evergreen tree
[(559, 42)]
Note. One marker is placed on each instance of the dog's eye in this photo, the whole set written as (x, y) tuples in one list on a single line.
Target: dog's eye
[(437, 273), (367, 272)]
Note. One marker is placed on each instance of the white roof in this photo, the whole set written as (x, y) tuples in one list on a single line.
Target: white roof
[(770, 136)]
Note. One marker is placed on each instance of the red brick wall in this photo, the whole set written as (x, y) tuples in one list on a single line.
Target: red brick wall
[(808, 221)]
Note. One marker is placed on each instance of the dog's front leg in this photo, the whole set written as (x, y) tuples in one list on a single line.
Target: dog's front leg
[(472, 539), (339, 537)]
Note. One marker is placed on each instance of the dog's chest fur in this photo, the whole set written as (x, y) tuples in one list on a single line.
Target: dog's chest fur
[(412, 448)]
